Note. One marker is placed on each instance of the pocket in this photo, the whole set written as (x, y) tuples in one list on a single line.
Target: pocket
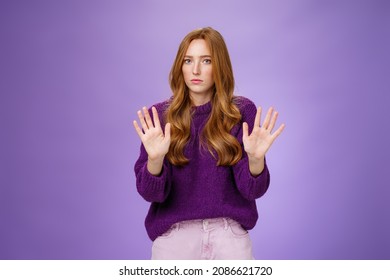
[(169, 233), (237, 230)]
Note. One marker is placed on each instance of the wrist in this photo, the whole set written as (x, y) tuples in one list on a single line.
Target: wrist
[(155, 165), (256, 165), (156, 159), (254, 159)]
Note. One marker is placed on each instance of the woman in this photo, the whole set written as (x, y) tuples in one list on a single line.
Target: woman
[(203, 173)]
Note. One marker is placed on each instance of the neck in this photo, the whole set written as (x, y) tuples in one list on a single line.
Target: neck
[(200, 99)]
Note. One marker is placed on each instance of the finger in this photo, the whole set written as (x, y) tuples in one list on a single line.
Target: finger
[(268, 118), (278, 131), (156, 119), (142, 121), (258, 117), (273, 120), (138, 129), (147, 117), (244, 130)]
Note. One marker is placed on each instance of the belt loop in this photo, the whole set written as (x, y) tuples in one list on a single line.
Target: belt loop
[(225, 223), (205, 224)]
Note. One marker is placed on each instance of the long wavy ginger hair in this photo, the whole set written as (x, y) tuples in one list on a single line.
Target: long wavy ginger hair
[(224, 114)]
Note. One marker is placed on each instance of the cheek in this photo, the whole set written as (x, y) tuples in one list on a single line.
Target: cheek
[(210, 75), (185, 72)]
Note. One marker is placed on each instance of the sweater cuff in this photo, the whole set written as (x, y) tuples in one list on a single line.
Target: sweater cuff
[(252, 187), (151, 187)]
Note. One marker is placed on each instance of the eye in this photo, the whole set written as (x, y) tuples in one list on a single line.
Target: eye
[(207, 61), (187, 61)]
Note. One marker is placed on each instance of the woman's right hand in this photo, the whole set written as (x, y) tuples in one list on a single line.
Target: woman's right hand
[(156, 142)]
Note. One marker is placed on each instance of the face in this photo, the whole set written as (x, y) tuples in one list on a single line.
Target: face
[(198, 71)]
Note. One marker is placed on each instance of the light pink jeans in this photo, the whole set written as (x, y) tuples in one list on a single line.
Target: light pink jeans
[(209, 239)]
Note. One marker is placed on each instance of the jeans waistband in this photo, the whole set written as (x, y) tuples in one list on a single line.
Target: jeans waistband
[(206, 224)]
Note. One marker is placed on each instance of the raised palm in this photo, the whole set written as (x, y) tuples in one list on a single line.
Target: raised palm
[(156, 142), (260, 140)]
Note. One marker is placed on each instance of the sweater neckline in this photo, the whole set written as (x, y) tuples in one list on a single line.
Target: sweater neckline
[(202, 109)]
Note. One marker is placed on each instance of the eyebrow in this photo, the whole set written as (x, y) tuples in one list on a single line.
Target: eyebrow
[(202, 56)]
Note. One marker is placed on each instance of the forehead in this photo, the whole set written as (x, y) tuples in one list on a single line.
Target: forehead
[(198, 47)]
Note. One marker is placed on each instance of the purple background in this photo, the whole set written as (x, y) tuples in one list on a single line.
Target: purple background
[(74, 73)]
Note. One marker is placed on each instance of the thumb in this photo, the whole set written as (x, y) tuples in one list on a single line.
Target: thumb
[(244, 130), (167, 131)]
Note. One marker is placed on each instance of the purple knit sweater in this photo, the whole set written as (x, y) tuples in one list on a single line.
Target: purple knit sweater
[(201, 189)]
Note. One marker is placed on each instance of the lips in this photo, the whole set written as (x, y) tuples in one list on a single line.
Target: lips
[(196, 81)]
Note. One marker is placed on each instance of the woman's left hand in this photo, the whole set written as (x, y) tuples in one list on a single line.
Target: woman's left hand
[(260, 140)]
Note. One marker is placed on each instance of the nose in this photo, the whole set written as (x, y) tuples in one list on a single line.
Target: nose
[(196, 68)]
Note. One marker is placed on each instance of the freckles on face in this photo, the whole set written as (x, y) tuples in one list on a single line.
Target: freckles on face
[(197, 68)]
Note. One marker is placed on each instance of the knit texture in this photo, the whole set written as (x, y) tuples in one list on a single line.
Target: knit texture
[(201, 189)]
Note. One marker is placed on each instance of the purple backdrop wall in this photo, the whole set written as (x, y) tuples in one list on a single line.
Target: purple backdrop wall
[(73, 74)]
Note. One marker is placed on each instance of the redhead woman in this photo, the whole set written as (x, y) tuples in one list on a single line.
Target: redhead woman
[(202, 160)]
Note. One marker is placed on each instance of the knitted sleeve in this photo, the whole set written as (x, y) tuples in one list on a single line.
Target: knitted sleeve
[(249, 186), (152, 188)]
